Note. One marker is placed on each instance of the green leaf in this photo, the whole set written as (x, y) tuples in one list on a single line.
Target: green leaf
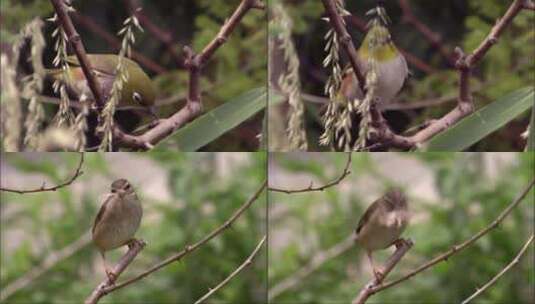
[(531, 136), (476, 126), (218, 121)]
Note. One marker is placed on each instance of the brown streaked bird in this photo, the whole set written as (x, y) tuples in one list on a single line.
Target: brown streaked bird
[(117, 220), (382, 224)]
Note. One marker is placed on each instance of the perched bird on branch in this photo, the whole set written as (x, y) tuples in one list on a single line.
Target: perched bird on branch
[(382, 224), (117, 220), (138, 90)]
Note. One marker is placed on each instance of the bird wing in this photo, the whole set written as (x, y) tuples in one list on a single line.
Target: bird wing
[(101, 212), (367, 215)]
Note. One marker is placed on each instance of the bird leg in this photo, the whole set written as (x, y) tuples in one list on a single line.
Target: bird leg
[(399, 243), (109, 273), (377, 272)]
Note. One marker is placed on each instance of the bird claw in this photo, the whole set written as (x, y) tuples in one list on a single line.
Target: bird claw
[(399, 243), (111, 276), (379, 274)]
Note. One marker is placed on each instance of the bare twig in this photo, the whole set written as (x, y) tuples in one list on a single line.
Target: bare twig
[(50, 261), (315, 263), (166, 37), (188, 248), (98, 30), (367, 291), (431, 36), (457, 248), (502, 272), (194, 63), (76, 174), (125, 260), (246, 263), (310, 188)]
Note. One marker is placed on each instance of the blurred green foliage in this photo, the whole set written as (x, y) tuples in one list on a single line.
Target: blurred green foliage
[(204, 190), (508, 66), (238, 66), (471, 190)]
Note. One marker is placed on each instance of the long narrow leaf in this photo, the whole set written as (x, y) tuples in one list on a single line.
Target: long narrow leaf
[(531, 136), (483, 122), (218, 121)]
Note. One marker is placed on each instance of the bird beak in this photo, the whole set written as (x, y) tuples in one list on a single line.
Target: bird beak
[(121, 193)]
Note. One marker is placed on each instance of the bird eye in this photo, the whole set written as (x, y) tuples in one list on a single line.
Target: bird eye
[(127, 187), (137, 97), (113, 191)]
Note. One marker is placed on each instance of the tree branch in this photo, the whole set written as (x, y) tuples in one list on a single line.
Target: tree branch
[(465, 106), (310, 188), (367, 291), (125, 260), (76, 42), (164, 36), (382, 136), (501, 273), (457, 248), (431, 36), (76, 174), (194, 63), (246, 263), (98, 30), (187, 250)]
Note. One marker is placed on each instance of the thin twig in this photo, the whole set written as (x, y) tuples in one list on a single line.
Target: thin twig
[(164, 36), (315, 263), (310, 188), (76, 174), (431, 36), (457, 248), (98, 30), (501, 273), (125, 260), (367, 291), (246, 263), (188, 248), (194, 63), (49, 262)]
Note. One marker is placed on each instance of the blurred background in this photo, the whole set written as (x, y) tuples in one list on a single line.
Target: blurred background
[(452, 196), (184, 195), (235, 69), (426, 34)]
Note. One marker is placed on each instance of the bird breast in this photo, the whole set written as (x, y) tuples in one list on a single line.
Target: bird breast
[(120, 224)]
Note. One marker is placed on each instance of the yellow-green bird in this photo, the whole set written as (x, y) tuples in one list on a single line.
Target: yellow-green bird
[(392, 67), (138, 90)]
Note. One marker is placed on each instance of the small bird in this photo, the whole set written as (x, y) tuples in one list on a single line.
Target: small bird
[(117, 220), (138, 90), (382, 224), (392, 69)]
